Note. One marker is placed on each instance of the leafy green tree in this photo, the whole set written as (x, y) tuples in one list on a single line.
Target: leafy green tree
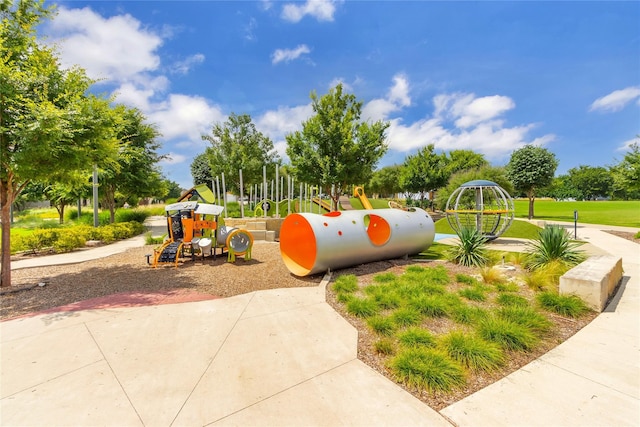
[(531, 168), (174, 190), (489, 173), (62, 194), (237, 144), (461, 160), (591, 182), (335, 149), (201, 170), (626, 174), (424, 172), (386, 181), (136, 173), (562, 188), (44, 134)]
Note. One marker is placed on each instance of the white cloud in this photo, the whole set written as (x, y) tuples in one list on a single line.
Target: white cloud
[(184, 116), (107, 48), (184, 66), (289, 54), (322, 10), (277, 123), (616, 100), (339, 80), (467, 110), (173, 158), (473, 123), (627, 144), (397, 97)]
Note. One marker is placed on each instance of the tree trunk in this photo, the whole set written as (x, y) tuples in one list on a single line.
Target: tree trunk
[(532, 198), (5, 204)]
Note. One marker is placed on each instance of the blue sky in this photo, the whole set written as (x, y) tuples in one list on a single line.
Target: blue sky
[(485, 76)]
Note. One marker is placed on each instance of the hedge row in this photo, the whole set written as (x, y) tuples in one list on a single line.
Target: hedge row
[(67, 239)]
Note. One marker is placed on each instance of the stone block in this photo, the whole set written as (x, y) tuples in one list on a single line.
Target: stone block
[(594, 280), (257, 225), (258, 234), (270, 236)]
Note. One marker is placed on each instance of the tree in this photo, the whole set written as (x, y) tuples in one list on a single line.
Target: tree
[(136, 173), (237, 144), (562, 188), (424, 172), (201, 170), (460, 160), (335, 148), (386, 181), (591, 182), (174, 190), (530, 168), (626, 174), (43, 133)]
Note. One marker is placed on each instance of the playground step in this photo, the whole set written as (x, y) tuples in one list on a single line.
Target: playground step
[(257, 225), (270, 236)]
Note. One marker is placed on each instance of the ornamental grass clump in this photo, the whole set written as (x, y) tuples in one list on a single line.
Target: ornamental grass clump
[(385, 346), (512, 300), (491, 275), (385, 296), (564, 305), (471, 250), (362, 307), (430, 305), (406, 316), (427, 369), (507, 334), (473, 294), (472, 351), (553, 244), (468, 314), (416, 337), (382, 325), (346, 283), (467, 280), (527, 317)]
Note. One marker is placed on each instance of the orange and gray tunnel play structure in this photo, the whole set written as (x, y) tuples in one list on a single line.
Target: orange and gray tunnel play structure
[(313, 243)]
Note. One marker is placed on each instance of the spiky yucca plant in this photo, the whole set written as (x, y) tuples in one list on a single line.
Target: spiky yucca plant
[(553, 244), (471, 251)]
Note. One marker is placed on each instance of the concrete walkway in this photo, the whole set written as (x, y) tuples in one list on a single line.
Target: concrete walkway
[(285, 357)]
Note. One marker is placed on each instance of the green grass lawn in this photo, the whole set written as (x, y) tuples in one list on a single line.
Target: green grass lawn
[(623, 213), (517, 229)]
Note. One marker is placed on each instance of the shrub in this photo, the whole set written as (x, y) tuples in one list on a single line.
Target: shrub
[(553, 244), (406, 316), (564, 305), (472, 351), (382, 325), (413, 337), (507, 334), (385, 346), (130, 215), (362, 307), (427, 369), (470, 251), (69, 239), (346, 283), (150, 240), (38, 240)]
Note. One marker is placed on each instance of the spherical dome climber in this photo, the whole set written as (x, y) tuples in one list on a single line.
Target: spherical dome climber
[(482, 205)]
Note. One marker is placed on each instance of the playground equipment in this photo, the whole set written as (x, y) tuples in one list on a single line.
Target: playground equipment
[(482, 205), (193, 227), (359, 193), (312, 243)]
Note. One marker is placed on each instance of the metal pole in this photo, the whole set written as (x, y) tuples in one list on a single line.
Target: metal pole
[(300, 198), (277, 195), (96, 221), (264, 194), (217, 190), (289, 179), (241, 196), (224, 195)]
